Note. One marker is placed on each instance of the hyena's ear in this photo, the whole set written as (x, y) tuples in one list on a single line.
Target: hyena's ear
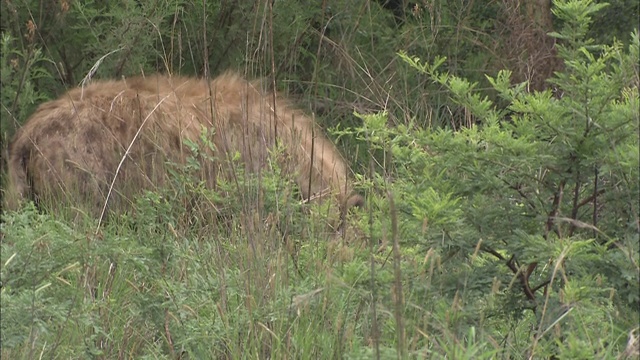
[(354, 201)]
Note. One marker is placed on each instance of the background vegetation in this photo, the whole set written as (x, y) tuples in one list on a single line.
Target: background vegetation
[(496, 142)]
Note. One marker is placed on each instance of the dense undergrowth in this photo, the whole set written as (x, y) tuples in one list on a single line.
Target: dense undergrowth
[(500, 223)]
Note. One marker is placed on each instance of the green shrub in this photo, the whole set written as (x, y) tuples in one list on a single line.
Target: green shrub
[(535, 205)]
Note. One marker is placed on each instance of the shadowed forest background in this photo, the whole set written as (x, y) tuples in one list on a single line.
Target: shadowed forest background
[(496, 143)]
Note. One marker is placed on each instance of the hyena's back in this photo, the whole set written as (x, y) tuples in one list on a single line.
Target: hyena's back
[(72, 149)]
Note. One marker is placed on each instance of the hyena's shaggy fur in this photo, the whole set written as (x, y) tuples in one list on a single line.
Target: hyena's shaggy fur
[(71, 149)]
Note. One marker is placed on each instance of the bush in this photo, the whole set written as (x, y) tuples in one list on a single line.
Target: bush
[(535, 204)]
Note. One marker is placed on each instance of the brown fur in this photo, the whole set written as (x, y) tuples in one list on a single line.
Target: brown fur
[(71, 148)]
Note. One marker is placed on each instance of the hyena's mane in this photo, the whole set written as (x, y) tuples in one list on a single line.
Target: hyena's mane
[(74, 147)]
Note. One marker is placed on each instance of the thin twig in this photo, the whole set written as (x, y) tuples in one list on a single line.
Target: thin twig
[(124, 157)]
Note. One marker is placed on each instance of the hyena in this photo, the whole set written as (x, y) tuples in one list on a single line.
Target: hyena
[(104, 142)]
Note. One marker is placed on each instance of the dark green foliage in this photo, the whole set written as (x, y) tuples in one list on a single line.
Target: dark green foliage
[(615, 21), (20, 71)]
